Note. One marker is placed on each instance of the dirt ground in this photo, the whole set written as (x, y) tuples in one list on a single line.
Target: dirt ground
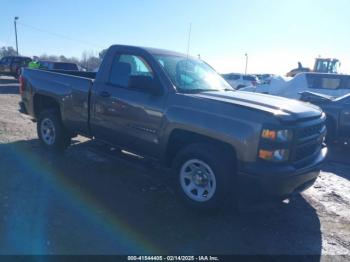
[(94, 201)]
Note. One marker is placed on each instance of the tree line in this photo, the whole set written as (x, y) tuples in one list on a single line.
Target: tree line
[(88, 61)]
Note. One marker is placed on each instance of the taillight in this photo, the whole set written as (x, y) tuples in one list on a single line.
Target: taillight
[(254, 83), (21, 85)]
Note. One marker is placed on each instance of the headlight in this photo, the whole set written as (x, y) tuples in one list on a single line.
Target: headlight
[(277, 135), (278, 155)]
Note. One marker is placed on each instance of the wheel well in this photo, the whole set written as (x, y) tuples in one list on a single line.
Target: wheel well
[(42, 102), (179, 139)]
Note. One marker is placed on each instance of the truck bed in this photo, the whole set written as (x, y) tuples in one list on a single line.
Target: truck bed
[(91, 75), (69, 89)]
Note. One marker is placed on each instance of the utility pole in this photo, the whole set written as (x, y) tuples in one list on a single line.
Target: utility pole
[(246, 63), (15, 22)]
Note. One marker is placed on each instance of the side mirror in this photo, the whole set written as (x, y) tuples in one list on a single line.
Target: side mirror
[(145, 84)]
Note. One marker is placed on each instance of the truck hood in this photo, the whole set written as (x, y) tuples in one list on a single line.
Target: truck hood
[(283, 108)]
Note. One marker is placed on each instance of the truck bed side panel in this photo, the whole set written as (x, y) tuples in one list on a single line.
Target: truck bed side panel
[(70, 92)]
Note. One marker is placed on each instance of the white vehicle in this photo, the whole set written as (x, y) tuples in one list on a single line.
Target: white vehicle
[(328, 84), (238, 81)]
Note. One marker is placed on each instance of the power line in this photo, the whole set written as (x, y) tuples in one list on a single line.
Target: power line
[(59, 35)]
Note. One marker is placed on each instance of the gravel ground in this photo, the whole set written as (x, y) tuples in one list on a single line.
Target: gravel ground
[(96, 201)]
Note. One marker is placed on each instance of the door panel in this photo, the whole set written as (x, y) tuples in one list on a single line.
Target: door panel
[(5, 65), (124, 116)]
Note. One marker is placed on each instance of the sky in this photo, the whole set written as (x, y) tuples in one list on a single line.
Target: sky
[(275, 34)]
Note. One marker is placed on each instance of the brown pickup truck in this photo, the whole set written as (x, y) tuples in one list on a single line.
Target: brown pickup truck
[(176, 109)]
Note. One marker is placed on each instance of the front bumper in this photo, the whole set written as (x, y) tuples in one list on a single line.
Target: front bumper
[(279, 181)]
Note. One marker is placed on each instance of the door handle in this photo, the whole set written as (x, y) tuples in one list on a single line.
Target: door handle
[(104, 94)]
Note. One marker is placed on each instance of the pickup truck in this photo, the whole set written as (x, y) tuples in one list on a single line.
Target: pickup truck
[(177, 110), (337, 110), (52, 65), (11, 65)]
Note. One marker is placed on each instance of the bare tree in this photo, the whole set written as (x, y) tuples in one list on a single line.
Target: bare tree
[(102, 53), (49, 57), (89, 61), (7, 51)]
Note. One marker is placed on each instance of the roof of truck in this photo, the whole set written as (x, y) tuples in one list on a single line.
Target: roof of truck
[(151, 50), (16, 56)]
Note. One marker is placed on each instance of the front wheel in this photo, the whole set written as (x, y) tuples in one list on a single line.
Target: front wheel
[(51, 131), (205, 177)]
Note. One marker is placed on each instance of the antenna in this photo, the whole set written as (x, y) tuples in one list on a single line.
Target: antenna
[(188, 49), (189, 39)]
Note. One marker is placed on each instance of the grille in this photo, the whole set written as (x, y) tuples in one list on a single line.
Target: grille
[(309, 131), (309, 141), (305, 151)]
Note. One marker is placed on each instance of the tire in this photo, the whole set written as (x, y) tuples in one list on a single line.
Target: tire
[(51, 131), (17, 74), (212, 184)]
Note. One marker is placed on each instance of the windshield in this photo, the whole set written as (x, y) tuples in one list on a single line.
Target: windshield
[(192, 75)]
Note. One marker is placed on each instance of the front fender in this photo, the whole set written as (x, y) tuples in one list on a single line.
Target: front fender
[(241, 134)]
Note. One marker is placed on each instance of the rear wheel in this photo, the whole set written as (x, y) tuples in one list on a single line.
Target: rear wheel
[(205, 177), (51, 131)]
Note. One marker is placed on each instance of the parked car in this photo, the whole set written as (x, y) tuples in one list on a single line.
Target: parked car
[(51, 65), (265, 78), (323, 83), (11, 65), (338, 114), (220, 143), (238, 81)]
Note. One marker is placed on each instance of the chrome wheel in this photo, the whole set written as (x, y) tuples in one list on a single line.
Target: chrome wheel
[(48, 132), (197, 180)]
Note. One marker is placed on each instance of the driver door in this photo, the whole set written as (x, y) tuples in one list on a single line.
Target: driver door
[(126, 114)]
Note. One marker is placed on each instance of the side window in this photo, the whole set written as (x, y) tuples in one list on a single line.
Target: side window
[(330, 83), (234, 77), (249, 78), (130, 71), (44, 65), (323, 82), (6, 61), (16, 61)]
